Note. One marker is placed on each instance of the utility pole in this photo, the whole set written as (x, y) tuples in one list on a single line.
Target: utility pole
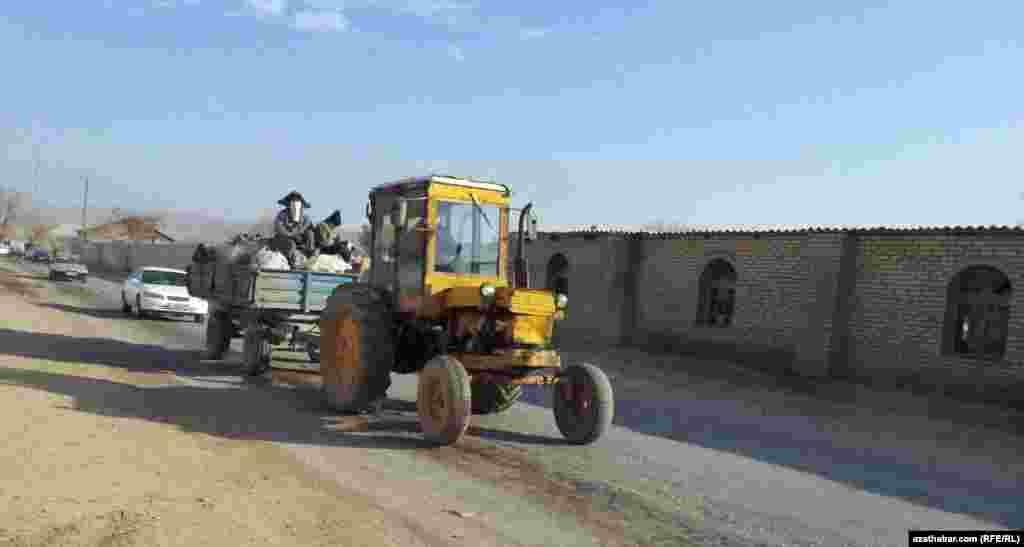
[(35, 194), (85, 207)]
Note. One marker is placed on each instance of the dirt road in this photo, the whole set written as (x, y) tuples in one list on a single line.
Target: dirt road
[(702, 451), (78, 470), (117, 440)]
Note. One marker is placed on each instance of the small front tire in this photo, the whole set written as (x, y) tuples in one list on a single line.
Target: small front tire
[(444, 400), (583, 403)]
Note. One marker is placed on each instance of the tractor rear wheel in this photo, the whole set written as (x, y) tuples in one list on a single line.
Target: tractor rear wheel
[(356, 348), (218, 335), (443, 400), (584, 405), (494, 398)]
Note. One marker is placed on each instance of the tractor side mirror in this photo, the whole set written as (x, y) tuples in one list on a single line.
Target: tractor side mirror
[(531, 228)]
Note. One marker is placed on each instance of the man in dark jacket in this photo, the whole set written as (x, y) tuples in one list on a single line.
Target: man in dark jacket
[(293, 231)]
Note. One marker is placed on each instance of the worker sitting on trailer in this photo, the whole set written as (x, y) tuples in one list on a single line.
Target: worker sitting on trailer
[(293, 232)]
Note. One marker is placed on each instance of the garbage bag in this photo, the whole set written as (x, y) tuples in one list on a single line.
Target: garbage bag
[(270, 260), (236, 253), (327, 264), (204, 254)]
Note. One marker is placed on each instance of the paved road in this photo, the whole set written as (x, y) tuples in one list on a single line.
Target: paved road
[(714, 463)]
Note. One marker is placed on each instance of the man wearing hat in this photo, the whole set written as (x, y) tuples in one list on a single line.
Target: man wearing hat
[(293, 231)]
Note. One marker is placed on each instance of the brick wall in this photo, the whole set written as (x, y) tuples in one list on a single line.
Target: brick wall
[(596, 278), (822, 303), (898, 309)]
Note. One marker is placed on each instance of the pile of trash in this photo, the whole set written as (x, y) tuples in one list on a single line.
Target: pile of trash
[(236, 251), (257, 252)]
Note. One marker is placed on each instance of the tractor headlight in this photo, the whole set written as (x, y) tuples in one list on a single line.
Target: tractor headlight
[(487, 291), (561, 301)]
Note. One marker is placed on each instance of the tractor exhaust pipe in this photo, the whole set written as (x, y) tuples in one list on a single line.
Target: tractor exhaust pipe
[(522, 277)]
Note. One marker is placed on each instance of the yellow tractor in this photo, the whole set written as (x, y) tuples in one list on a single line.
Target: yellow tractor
[(437, 301)]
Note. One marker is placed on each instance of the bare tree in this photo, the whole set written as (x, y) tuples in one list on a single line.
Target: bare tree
[(12, 204)]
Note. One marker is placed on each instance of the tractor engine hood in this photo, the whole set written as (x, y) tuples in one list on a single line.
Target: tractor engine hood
[(518, 301)]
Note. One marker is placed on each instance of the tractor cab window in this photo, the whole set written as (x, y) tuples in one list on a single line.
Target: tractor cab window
[(410, 249), (468, 238)]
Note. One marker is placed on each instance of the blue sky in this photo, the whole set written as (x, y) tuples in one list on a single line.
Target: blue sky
[(697, 112)]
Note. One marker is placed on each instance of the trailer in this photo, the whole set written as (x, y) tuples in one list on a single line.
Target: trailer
[(266, 308)]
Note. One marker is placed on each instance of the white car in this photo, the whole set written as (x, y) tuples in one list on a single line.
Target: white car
[(161, 291), (4, 250)]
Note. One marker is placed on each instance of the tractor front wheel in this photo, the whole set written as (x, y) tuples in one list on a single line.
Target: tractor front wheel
[(444, 400), (494, 398), (583, 404)]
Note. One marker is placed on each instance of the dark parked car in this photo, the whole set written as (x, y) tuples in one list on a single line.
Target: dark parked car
[(69, 269), (38, 255)]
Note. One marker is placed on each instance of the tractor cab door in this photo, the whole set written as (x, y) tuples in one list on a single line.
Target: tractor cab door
[(398, 259)]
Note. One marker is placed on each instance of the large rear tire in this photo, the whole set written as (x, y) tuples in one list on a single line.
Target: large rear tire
[(583, 404), (356, 348), (444, 400), (494, 398), (218, 335)]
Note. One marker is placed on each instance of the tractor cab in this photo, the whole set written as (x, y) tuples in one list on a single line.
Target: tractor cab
[(432, 234)]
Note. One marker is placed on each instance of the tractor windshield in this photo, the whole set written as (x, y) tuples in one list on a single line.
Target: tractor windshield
[(468, 238)]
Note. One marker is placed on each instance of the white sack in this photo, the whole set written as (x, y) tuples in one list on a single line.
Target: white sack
[(270, 260), (327, 264)]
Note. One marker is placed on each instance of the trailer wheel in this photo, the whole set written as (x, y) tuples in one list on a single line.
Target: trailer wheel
[(494, 398), (218, 335), (583, 404), (313, 350), (444, 400), (257, 352)]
